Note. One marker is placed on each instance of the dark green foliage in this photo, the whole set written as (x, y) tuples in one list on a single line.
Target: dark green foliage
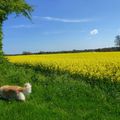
[(14, 6), (56, 97), (117, 40)]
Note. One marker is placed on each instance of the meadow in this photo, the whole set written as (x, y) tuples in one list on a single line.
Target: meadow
[(82, 86)]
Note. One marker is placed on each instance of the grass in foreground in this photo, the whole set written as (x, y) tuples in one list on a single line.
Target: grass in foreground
[(56, 97)]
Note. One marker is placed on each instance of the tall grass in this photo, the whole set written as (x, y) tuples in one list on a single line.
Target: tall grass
[(56, 97)]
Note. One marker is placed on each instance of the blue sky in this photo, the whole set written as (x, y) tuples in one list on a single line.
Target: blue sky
[(63, 25)]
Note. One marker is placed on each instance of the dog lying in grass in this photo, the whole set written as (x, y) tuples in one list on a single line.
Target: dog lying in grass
[(9, 92)]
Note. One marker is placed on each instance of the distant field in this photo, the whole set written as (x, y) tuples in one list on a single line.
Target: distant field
[(102, 65)]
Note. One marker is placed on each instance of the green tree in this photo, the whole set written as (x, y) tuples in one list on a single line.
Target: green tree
[(117, 40), (7, 7)]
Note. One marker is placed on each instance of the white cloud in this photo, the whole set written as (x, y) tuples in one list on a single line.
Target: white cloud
[(22, 26), (94, 32), (64, 19)]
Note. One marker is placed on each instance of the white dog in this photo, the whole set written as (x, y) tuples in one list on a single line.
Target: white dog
[(15, 92)]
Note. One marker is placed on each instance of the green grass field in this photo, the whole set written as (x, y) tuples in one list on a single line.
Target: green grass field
[(58, 96)]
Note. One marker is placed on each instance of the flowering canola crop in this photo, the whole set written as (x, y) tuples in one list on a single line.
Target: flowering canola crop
[(93, 64)]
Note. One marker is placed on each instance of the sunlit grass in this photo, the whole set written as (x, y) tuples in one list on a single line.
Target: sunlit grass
[(56, 97)]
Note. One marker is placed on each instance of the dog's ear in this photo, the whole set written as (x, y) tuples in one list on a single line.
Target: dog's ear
[(27, 89), (27, 85)]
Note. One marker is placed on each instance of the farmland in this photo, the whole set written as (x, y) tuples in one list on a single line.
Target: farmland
[(82, 86), (104, 65)]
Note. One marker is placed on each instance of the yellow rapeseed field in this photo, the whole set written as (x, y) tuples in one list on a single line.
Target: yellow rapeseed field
[(93, 64)]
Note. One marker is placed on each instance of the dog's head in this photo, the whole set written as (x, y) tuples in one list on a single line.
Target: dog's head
[(27, 88)]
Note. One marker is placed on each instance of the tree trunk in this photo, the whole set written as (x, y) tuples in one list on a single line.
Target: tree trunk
[(1, 39)]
